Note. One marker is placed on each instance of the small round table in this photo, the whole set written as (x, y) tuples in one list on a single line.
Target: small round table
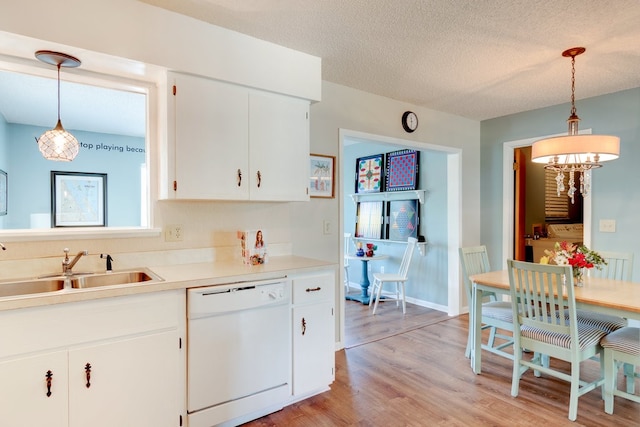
[(364, 280)]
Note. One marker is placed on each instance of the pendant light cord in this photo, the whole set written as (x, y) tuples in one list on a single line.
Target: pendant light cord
[(59, 91), (573, 85)]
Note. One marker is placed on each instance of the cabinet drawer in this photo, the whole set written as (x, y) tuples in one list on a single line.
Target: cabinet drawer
[(312, 288)]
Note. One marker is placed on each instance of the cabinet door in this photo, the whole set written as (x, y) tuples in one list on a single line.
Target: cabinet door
[(23, 391), (279, 148), (211, 139), (313, 348), (132, 382)]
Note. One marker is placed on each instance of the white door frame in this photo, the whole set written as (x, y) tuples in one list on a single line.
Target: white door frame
[(508, 200)]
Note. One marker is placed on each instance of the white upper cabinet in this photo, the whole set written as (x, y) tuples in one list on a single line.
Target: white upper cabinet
[(278, 147), (233, 143), (211, 139)]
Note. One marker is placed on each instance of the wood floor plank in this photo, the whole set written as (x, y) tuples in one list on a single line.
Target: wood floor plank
[(417, 375)]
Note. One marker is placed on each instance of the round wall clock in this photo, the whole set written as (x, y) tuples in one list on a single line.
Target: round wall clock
[(409, 121)]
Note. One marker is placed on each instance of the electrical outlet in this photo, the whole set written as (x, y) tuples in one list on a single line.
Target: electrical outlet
[(173, 233), (608, 225)]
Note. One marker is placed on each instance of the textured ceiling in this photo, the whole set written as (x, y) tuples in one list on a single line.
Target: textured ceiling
[(478, 59)]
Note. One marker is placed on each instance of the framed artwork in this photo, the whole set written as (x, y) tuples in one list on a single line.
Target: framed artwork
[(370, 174), (322, 176), (370, 220), (78, 199), (404, 219), (3, 192), (402, 170)]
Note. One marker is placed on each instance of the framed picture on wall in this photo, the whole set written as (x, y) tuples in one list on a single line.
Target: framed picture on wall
[(402, 170), (4, 192), (370, 174), (322, 176), (404, 219), (78, 199), (370, 220)]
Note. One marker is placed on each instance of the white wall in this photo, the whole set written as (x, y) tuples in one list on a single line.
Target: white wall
[(145, 34)]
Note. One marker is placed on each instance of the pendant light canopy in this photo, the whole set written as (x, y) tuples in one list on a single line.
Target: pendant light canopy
[(58, 144), (573, 152)]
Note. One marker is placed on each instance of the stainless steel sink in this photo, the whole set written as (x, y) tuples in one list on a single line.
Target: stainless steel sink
[(116, 278), (34, 286), (86, 280)]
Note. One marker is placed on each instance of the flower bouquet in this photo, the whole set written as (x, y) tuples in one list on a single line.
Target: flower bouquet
[(579, 257)]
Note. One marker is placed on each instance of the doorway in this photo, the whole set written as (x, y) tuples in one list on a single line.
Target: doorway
[(509, 199), (448, 248)]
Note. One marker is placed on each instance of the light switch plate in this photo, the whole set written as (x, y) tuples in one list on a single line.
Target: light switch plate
[(608, 225), (326, 227)]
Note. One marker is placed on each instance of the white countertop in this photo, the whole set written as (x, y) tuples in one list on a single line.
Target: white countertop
[(179, 276)]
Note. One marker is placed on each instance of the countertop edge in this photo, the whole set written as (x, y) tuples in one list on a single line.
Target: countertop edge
[(176, 277)]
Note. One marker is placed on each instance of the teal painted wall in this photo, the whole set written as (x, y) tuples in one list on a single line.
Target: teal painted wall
[(616, 186), (30, 181), (3, 155), (428, 274)]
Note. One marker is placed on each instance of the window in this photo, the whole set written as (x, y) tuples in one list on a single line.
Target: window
[(555, 207)]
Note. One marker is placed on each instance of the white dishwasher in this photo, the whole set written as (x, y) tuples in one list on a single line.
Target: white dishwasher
[(238, 351)]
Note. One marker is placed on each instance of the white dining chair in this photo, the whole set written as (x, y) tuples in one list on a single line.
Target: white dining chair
[(537, 293), (496, 315), (622, 345), (345, 261), (619, 266), (399, 278)]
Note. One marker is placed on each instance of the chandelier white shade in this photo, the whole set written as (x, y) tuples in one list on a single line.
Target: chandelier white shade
[(574, 152), (576, 149), (57, 144)]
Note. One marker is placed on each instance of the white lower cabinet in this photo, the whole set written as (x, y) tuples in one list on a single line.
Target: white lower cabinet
[(126, 383), (118, 363), (25, 399), (313, 334)]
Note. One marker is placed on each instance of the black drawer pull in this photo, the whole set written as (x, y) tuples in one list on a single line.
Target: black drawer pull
[(49, 376), (87, 371), (314, 289)]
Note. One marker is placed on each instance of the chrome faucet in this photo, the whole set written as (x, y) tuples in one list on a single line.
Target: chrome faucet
[(67, 264)]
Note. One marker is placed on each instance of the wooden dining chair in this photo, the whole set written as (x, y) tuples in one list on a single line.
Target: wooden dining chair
[(345, 261), (538, 292), (623, 346), (496, 315), (379, 279)]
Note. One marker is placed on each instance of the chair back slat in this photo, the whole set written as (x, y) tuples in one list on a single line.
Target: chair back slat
[(408, 255), (474, 260), (347, 246), (541, 293), (619, 266)]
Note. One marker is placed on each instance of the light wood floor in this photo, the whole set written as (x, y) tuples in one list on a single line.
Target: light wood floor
[(397, 372)]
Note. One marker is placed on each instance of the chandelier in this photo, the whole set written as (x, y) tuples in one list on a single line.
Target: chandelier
[(574, 154), (58, 144)]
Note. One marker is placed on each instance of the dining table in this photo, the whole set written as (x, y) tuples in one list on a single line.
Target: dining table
[(364, 297), (609, 296)]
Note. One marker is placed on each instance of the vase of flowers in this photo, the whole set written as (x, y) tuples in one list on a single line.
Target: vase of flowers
[(579, 257)]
